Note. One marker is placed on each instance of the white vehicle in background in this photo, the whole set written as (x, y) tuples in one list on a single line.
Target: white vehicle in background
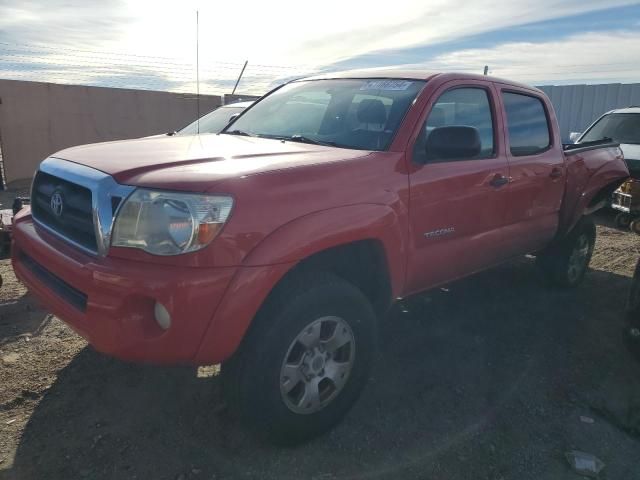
[(621, 125), (215, 121)]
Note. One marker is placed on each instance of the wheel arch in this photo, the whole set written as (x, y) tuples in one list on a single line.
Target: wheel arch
[(594, 197), (361, 243), (363, 263)]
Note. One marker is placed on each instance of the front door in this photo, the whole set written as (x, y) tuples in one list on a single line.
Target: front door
[(457, 207)]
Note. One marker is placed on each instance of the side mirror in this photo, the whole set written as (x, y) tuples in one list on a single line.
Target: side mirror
[(574, 136), (453, 142), (233, 117)]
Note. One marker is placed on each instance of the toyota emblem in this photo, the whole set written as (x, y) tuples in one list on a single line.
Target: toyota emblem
[(56, 204)]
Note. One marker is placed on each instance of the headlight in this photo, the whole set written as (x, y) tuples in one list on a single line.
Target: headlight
[(168, 223)]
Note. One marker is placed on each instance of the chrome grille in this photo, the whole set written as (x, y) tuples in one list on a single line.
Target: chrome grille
[(75, 220), (85, 204)]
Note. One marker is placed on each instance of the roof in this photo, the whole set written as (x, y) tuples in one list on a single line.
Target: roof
[(414, 75), (377, 73), (625, 110)]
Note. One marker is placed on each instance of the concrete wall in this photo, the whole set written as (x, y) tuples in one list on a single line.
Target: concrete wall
[(577, 106), (228, 98), (38, 119)]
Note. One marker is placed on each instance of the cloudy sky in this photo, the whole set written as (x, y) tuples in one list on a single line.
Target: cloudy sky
[(152, 44)]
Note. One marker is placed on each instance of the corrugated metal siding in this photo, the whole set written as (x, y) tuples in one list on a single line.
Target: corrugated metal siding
[(577, 106)]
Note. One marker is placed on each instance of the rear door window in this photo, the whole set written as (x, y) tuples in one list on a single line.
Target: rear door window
[(527, 124)]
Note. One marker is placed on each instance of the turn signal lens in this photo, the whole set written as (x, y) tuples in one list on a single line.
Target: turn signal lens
[(207, 232)]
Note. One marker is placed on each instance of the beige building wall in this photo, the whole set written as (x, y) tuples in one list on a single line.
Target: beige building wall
[(38, 119)]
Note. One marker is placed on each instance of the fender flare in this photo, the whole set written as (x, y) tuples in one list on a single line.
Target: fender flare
[(581, 192), (318, 231), (282, 250)]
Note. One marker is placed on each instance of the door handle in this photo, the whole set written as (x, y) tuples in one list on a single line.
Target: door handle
[(556, 172), (498, 180)]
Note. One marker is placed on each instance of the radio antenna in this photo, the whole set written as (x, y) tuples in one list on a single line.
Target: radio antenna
[(198, 70)]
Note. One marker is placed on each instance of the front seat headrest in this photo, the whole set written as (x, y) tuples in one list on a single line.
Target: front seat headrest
[(372, 111)]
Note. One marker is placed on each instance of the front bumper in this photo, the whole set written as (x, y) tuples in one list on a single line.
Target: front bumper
[(110, 301)]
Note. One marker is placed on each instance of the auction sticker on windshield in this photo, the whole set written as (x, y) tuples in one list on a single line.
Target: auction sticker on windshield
[(386, 85)]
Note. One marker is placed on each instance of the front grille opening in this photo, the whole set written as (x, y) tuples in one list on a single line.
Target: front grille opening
[(75, 221), (72, 295)]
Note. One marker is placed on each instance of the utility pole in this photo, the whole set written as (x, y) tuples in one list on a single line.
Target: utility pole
[(239, 77), (486, 69)]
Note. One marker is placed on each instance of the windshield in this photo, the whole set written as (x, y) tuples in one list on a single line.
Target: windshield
[(351, 113), (620, 127), (212, 122)]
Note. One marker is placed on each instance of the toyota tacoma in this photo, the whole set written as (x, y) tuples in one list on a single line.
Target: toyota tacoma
[(274, 247)]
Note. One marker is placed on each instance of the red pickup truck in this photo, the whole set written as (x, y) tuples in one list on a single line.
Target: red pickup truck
[(274, 246)]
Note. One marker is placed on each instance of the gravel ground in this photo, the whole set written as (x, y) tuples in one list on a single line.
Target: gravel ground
[(487, 379)]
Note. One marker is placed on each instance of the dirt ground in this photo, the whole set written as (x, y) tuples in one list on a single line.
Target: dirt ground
[(487, 379)]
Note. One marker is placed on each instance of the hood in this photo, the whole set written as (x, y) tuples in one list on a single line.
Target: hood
[(195, 162), (631, 151)]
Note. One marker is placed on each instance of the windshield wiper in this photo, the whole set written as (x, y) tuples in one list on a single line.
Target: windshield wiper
[(292, 138), (312, 141), (240, 132)]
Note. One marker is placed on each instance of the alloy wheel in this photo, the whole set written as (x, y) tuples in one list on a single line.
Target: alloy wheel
[(317, 365)]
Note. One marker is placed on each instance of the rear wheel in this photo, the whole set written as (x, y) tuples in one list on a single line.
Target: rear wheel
[(565, 263), (633, 301), (631, 333), (305, 360)]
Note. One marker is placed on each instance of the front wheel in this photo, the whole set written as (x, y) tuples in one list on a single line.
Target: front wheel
[(305, 360), (565, 263)]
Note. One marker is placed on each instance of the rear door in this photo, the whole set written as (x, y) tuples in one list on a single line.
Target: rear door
[(457, 207), (537, 171)]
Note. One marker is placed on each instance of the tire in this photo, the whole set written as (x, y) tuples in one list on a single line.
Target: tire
[(565, 263), (633, 300), (622, 220), (270, 381), (631, 331), (634, 226)]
